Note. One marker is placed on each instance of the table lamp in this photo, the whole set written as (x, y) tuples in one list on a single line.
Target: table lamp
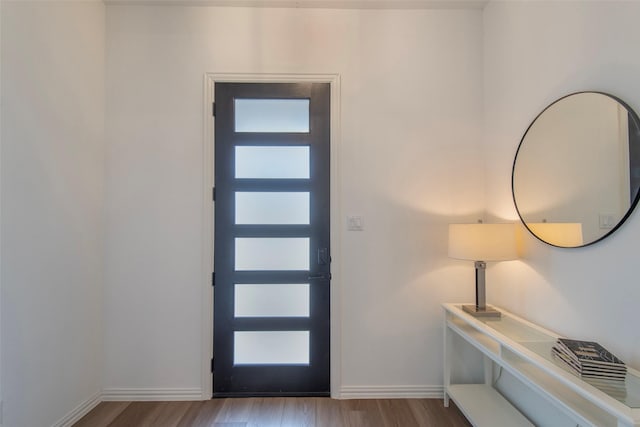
[(481, 243)]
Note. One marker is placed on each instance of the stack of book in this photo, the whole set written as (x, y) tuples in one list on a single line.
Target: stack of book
[(614, 388), (590, 360)]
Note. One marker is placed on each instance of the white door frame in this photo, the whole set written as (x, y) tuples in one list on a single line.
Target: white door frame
[(207, 215)]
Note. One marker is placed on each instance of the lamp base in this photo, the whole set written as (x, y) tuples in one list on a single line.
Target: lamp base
[(476, 311)]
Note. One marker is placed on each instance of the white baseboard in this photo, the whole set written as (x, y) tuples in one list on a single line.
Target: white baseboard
[(80, 411), (392, 392), (151, 394)]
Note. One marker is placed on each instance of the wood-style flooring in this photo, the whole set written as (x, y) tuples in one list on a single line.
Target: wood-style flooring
[(277, 412)]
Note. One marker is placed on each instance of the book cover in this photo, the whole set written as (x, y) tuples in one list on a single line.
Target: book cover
[(590, 353)]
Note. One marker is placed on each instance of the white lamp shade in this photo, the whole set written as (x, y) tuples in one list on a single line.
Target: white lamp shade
[(564, 234), (483, 242)]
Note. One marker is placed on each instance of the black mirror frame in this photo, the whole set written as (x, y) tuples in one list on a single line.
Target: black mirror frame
[(633, 203)]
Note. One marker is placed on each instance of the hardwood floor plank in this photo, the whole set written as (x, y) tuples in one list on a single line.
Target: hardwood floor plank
[(396, 413), (277, 412), (236, 410), (136, 414), (329, 413), (299, 412), (201, 414), (168, 414), (267, 412), (102, 415), (229, 424), (363, 413), (431, 412)]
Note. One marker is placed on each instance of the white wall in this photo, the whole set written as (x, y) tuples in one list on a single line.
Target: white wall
[(1, 102), (410, 162), (52, 209), (536, 52)]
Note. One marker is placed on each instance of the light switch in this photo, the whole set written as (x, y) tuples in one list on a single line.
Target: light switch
[(355, 223)]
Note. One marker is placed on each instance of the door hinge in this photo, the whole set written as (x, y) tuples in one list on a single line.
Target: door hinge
[(213, 194), (213, 109), (212, 365), (213, 278)]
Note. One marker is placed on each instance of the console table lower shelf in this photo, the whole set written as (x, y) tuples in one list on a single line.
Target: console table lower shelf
[(523, 350), (485, 406)]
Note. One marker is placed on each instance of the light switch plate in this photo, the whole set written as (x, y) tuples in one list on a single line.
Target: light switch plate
[(606, 221), (355, 223)]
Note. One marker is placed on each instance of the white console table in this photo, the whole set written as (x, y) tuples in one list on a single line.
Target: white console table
[(524, 350)]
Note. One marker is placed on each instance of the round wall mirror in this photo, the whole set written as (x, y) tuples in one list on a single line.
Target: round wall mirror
[(576, 173)]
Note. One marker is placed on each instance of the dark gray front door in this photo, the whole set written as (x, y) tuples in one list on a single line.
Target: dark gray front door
[(272, 253)]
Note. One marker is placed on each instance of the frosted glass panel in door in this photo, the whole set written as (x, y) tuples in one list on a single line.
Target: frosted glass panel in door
[(286, 300), (272, 208), (272, 162), (272, 253), (271, 348), (272, 115)]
